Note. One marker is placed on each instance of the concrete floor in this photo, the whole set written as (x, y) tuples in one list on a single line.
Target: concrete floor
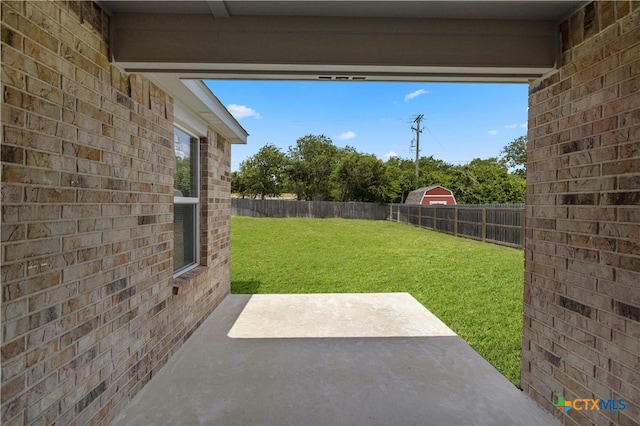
[(328, 359)]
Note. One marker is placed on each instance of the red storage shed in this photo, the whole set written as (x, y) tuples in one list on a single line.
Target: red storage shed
[(434, 194)]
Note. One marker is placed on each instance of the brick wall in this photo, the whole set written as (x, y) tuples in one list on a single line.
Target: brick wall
[(90, 310), (582, 280)]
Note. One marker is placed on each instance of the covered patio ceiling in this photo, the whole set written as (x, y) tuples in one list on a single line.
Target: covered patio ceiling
[(502, 41)]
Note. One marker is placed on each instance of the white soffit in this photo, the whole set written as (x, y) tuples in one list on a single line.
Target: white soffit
[(197, 98)]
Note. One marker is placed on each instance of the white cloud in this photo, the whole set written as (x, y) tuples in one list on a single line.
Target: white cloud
[(524, 125), (493, 132), (510, 126), (390, 154), (415, 94), (347, 135), (242, 111)]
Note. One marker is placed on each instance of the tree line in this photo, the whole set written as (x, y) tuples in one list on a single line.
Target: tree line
[(315, 169)]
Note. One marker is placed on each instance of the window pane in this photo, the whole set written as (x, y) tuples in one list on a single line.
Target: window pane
[(184, 235), (185, 178)]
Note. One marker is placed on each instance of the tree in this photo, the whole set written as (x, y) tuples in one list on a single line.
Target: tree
[(515, 156), (487, 182), (263, 174), (237, 183), (433, 172), (401, 173), (311, 163), (363, 177), (315, 169)]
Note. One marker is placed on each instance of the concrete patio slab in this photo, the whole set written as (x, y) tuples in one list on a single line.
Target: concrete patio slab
[(328, 359), (336, 315)]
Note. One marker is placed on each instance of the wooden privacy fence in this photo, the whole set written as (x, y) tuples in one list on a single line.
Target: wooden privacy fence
[(317, 209), (497, 223), (501, 224)]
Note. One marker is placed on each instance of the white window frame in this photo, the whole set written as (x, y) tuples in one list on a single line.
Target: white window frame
[(191, 200)]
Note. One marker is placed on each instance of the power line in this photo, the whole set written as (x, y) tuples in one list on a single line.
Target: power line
[(434, 137)]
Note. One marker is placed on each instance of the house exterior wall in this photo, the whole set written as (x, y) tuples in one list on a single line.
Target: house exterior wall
[(582, 255), (90, 309)]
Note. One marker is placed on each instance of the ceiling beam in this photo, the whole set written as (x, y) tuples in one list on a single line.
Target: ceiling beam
[(197, 43)]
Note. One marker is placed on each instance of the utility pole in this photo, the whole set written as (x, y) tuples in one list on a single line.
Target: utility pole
[(417, 129)]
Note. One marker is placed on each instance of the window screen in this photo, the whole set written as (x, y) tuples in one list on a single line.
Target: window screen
[(184, 235), (186, 202)]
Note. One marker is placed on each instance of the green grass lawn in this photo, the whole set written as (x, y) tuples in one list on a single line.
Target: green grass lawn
[(474, 287)]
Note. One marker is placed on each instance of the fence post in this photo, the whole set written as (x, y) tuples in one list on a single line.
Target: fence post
[(522, 226), (455, 222), (434, 210), (484, 224)]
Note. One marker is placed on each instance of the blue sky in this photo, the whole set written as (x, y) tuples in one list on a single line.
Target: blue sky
[(462, 121)]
